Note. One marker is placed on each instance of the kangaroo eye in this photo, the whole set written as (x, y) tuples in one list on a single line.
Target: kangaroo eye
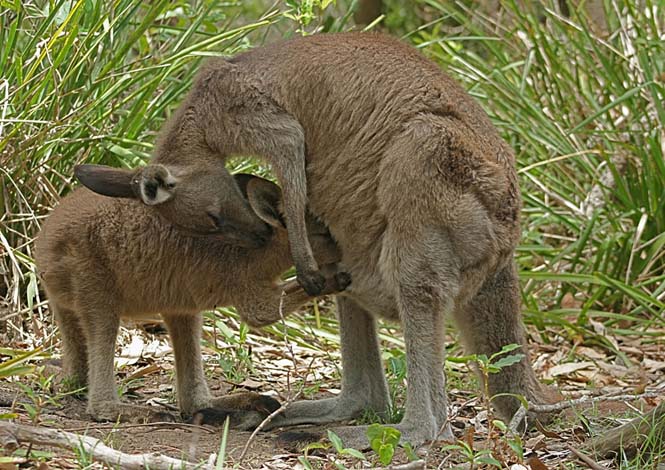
[(215, 219)]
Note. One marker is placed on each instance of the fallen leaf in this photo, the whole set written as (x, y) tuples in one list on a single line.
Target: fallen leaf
[(590, 353), (131, 353), (569, 301), (653, 366), (568, 368), (536, 443), (252, 384), (143, 371), (536, 464)]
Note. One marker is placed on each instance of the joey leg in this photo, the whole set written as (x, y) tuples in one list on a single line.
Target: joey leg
[(74, 348), (101, 326), (192, 388), (102, 329), (363, 381), (491, 320)]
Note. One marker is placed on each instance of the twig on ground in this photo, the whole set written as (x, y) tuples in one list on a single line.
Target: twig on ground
[(588, 461), (99, 451), (156, 424), (520, 414)]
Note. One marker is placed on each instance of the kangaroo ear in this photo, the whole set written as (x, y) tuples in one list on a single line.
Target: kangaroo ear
[(106, 180), (155, 184), (242, 180), (265, 198)]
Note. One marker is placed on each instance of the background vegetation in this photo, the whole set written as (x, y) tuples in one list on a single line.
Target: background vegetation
[(579, 97)]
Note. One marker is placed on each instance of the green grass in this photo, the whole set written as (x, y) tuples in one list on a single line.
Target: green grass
[(580, 109)]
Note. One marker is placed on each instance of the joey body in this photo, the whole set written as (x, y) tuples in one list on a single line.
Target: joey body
[(416, 187), (104, 258)]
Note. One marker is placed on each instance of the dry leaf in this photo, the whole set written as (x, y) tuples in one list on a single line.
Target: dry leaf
[(569, 301), (568, 368), (143, 371), (536, 464), (131, 353)]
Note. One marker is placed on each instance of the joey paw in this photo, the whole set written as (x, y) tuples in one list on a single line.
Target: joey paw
[(342, 280), (313, 282)]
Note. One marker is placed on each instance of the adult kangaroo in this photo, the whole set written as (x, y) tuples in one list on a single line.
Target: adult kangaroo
[(415, 185)]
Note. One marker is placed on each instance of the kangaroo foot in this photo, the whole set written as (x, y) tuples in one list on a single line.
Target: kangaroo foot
[(127, 413), (355, 437)]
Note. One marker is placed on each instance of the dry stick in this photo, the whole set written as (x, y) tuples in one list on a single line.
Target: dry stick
[(94, 447), (588, 461), (562, 405), (156, 424), (632, 433)]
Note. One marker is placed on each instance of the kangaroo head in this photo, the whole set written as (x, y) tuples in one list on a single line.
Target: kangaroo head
[(205, 200)]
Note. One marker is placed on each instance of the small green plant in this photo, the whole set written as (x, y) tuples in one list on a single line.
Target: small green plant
[(473, 456), (40, 393), (396, 375), (383, 440), (236, 359), (493, 365), (341, 450), (221, 457), (504, 446), (83, 456), (18, 364)]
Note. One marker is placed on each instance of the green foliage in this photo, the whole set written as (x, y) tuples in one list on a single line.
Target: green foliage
[(304, 12), (494, 363), (40, 393), (338, 445), (236, 358), (383, 440), (18, 364), (473, 456), (90, 81), (221, 456), (584, 112)]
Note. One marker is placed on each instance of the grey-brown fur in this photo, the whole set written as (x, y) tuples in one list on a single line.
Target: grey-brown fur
[(103, 258), (415, 185)]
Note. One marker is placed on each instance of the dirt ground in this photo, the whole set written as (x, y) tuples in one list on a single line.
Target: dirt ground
[(145, 374)]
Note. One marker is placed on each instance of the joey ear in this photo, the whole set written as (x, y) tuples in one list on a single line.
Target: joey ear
[(265, 198), (155, 184), (242, 179), (106, 180)]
